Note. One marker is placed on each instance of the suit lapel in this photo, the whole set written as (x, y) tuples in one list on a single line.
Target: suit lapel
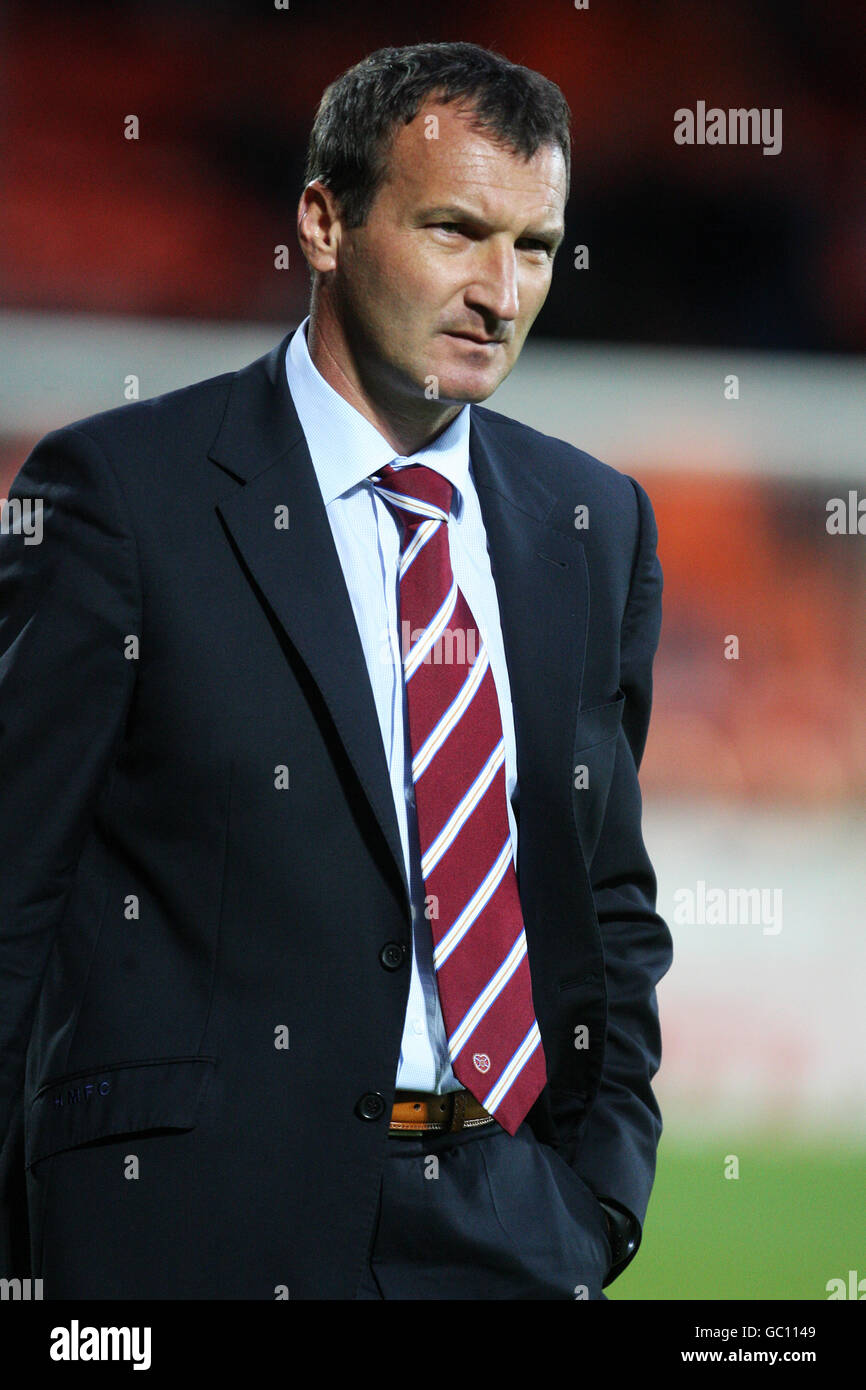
[(539, 571), (537, 565)]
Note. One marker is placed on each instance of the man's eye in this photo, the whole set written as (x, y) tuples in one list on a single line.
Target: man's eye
[(538, 246), (529, 243)]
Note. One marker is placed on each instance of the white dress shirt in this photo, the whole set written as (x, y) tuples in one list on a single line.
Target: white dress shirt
[(346, 449)]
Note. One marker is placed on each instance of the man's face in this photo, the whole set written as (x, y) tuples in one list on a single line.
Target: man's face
[(458, 247)]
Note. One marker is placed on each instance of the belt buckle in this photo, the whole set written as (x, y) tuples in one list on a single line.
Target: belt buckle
[(451, 1107), (458, 1111)]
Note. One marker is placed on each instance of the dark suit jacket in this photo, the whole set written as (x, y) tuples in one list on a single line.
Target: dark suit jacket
[(168, 905)]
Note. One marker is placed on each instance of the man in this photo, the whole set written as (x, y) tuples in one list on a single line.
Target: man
[(329, 948)]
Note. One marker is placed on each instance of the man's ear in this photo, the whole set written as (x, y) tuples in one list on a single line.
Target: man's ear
[(319, 226)]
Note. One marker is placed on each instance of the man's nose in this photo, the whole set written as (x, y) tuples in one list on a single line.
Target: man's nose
[(494, 290)]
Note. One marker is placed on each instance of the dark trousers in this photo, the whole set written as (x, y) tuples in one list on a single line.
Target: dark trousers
[(482, 1214)]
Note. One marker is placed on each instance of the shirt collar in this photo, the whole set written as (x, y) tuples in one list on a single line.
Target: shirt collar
[(346, 448)]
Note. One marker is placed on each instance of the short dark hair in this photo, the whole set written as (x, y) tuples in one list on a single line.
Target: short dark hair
[(360, 112)]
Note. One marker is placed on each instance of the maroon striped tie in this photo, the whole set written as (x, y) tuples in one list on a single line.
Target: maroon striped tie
[(467, 854)]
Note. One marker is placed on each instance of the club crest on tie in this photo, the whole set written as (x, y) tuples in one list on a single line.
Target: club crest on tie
[(481, 1061)]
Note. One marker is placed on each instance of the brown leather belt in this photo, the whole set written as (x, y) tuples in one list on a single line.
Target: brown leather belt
[(414, 1112)]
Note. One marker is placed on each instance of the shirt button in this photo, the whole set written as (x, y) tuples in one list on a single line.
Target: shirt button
[(417, 1025)]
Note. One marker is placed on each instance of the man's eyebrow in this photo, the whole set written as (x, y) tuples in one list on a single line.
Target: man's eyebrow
[(451, 212)]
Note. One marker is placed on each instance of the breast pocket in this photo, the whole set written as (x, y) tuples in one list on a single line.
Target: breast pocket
[(118, 1098), (595, 742)]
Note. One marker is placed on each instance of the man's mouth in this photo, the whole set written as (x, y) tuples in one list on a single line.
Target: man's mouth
[(473, 338)]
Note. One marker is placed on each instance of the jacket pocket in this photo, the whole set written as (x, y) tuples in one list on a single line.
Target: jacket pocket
[(595, 745), (118, 1098), (598, 724)]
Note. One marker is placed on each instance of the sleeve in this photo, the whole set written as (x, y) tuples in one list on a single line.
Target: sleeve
[(69, 598), (616, 1155)]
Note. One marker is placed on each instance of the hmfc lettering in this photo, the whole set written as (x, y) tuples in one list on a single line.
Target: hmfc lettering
[(80, 1094)]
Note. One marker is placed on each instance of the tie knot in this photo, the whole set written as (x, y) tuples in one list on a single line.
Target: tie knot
[(416, 490)]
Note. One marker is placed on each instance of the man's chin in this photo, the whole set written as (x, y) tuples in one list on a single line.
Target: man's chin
[(463, 388)]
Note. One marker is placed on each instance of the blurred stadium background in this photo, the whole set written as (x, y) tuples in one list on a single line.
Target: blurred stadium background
[(155, 257)]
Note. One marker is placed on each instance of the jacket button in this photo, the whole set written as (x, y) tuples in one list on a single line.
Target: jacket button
[(392, 955), (371, 1106)]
